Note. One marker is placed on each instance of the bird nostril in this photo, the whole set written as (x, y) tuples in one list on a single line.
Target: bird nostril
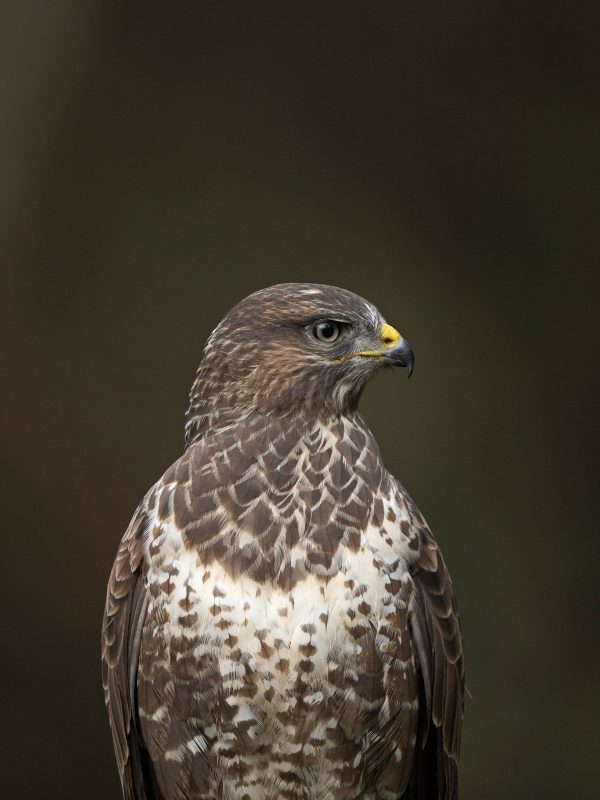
[(388, 336)]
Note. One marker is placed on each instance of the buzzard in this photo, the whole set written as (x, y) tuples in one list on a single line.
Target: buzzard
[(279, 620)]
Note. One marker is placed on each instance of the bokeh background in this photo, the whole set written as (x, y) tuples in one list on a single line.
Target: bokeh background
[(161, 161)]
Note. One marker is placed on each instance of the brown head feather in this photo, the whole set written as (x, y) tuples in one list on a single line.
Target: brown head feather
[(264, 355)]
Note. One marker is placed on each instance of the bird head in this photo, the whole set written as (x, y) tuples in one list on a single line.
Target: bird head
[(297, 346)]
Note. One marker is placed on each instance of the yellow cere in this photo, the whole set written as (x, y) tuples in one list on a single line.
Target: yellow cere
[(389, 336)]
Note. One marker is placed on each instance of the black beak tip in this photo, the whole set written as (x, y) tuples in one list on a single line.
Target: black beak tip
[(403, 356)]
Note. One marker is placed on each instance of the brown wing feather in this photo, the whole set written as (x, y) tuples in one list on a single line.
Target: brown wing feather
[(126, 602), (436, 636)]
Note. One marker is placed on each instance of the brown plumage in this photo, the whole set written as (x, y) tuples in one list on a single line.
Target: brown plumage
[(279, 620)]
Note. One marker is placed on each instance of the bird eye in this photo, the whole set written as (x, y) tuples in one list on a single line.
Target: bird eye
[(327, 331)]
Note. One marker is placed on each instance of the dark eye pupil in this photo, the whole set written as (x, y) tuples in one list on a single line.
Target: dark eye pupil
[(327, 331)]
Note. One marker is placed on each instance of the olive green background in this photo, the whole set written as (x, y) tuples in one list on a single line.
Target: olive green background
[(159, 162)]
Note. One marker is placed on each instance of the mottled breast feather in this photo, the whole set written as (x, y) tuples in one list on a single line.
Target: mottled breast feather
[(280, 623)]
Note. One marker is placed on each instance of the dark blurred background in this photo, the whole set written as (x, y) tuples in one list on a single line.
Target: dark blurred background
[(160, 161)]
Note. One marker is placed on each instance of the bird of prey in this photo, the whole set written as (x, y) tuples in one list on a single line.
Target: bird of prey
[(279, 620)]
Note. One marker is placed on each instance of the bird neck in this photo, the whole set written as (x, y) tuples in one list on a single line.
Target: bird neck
[(215, 405)]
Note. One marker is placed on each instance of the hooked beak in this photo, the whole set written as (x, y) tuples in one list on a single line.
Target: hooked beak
[(401, 355), (396, 350)]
